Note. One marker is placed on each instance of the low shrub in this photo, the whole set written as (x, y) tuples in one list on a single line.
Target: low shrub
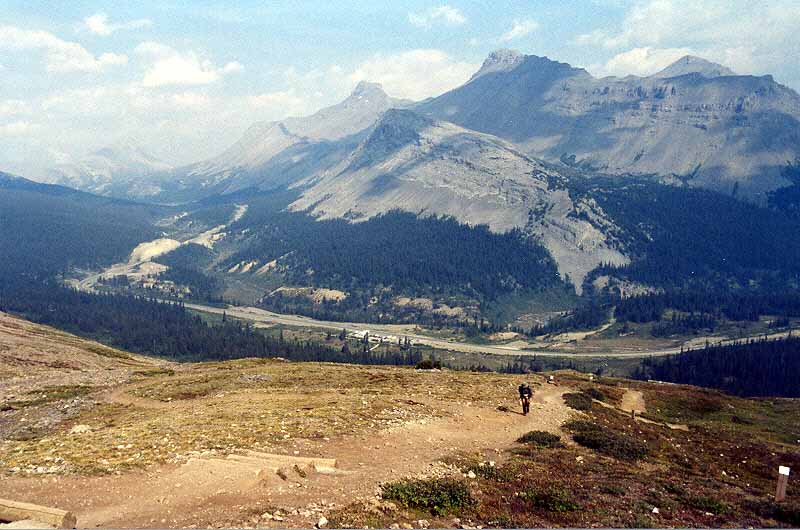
[(595, 393), (741, 421), (675, 489), (707, 504), (578, 401), (581, 426), (492, 472), (552, 499), (606, 441), (429, 364), (612, 489), (541, 439), (784, 512), (443, 496)]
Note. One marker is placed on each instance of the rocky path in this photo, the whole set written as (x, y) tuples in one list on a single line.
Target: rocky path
[(241, 492), (633, 401)]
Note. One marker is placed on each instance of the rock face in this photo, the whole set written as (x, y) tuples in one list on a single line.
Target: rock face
[(273, 154), (430, 167), (694, 122), (123, 170), (499, 61)]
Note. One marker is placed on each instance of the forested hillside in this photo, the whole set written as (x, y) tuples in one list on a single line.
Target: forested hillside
[(396, 249), (751, 368), (742, 304), (165, 329), (49, 229), (684, 236)]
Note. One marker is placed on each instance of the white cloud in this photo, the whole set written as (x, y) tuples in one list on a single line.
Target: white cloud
[(521, 28), (746, 36), (171, 67), (14, 107), (191, 99), (154, 49), (99, 24), (445, 15), (414, 74), (643, 61), (60, 55), (281, 103), (17, 128)]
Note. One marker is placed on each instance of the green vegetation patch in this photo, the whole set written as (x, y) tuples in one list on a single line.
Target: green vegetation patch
[(551, 499), (606, 441), (49, 394), (443, 496), (541, 439), (595, 393), (490, 471), (155, 372), (787, 512), (707, 504), (578, 401)]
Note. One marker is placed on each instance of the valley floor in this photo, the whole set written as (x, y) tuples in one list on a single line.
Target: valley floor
[(583, 344)]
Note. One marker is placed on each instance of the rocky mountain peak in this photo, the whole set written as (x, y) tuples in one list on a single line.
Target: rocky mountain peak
[(690, 64), (502, 60), (367, 88)]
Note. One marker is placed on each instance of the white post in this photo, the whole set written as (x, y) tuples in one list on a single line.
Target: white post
[(783, 480)]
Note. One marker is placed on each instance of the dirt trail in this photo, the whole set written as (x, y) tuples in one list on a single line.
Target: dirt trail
[(122, 396), (215, 492), (633, 400)]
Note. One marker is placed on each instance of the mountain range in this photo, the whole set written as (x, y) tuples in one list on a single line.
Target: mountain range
[(526, 144), (693, 123)]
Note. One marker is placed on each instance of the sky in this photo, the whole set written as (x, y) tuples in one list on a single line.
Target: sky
[(184, 79)]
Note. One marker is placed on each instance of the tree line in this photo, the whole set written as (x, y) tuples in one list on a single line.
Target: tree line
[(740, 304), (167, 329), (748, 368)]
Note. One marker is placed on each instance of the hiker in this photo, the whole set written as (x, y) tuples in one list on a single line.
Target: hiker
[(525, 395)]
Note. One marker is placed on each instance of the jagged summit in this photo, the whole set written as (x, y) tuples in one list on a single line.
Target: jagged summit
[(691, 64), (501, 60), (368, 88), (554, 111)]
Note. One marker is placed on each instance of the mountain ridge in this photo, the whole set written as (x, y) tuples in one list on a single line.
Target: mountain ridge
[(709, 129), (309, 139), (429, 167)]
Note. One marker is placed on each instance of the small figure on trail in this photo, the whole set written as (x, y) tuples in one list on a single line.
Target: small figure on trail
[(525, 395)]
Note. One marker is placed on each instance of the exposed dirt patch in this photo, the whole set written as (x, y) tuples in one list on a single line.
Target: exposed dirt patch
[(424, 424)]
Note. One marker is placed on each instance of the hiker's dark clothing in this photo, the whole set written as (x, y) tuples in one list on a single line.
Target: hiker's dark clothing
[(525, 395)]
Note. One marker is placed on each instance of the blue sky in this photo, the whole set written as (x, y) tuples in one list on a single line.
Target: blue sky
[(184, 79)]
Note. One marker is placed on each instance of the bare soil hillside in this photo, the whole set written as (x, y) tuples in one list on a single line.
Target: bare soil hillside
[(267, 443)]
